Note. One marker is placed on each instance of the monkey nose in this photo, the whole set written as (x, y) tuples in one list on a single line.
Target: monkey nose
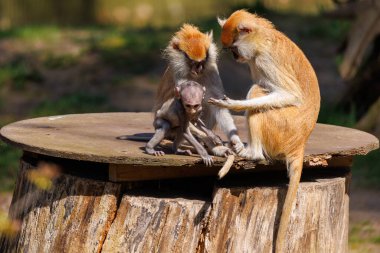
[(197, 69)]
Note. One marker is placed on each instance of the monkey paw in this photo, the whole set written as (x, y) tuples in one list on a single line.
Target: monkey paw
[(238, 148), (225, 102), (248, 154), (221, 151), (159, 153), (207, 160)]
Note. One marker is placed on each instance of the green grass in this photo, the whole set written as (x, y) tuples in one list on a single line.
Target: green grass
[(52, 61), (72, 103), (363, 232), (326, 29), (366, 170), (337, 116), (33, 33), (8, 166), (17, 73), (135, 50)]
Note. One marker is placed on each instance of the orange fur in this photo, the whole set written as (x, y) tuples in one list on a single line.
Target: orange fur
[(281, 130), (230, 28), (194, 43)]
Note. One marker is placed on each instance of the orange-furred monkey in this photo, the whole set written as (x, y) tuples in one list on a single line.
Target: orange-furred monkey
[(282, 106), (191, 56)]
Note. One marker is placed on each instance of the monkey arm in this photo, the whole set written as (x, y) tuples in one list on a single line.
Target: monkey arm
[(207, 159), (275, 99), (162, 127)]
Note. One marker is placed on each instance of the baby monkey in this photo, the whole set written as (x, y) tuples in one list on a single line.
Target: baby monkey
[(174, 117)]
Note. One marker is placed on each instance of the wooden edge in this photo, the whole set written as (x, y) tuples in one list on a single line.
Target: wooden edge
[(129, 173)]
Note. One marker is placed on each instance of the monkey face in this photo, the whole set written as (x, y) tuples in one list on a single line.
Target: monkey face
[(192, 109), (240, 35), (196, 67), (191, 52)]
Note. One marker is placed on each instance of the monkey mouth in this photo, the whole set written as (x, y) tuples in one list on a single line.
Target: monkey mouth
[(235, 52)]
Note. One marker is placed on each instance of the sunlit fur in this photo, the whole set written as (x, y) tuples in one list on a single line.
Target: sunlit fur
[(282, 106), (190, 43)]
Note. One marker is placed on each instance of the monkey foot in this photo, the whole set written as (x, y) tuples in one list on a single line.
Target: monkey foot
[(221, 151), (248, 154), (208, 160), (183, 152)]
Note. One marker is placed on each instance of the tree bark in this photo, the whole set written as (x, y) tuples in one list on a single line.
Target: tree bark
[(73, 216), (84, 215)]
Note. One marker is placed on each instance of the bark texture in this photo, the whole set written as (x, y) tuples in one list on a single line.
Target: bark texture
[(83, 215), (72, 216)]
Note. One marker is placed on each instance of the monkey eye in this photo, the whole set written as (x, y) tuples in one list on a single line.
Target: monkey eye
[(196, 106)]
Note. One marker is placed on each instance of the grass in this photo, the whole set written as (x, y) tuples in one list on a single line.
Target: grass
[(8, 166), (363, 232), (137, 50), (17, 73), (72, 103), (32, 33)]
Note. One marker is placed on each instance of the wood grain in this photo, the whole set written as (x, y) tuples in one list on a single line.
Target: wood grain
[(100, 137), (241, 215)]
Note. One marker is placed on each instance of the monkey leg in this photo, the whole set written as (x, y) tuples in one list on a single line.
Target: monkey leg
[(159, 135), (207, 159)]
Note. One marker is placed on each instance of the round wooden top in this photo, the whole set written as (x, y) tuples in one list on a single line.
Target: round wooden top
[(100, 137)]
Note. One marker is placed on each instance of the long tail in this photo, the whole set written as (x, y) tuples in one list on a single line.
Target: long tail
[(294, 171), (227, 166)]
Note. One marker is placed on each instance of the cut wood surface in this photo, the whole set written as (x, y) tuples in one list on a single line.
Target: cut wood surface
[(100, 137)]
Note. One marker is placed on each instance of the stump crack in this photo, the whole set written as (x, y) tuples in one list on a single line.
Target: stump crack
[(205, 230), (119, 196)]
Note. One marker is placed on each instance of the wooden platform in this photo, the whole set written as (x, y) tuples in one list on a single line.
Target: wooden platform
[(101, 137), (83, 211)]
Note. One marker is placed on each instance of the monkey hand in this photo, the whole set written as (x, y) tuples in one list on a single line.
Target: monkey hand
[(237, 145), (226, 102), (207, 159), (221, 151)]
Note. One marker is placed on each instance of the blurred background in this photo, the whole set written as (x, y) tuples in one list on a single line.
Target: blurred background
[(77, 56)]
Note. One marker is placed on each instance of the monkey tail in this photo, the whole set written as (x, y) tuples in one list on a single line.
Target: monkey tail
[(294, 165), (227, 166)]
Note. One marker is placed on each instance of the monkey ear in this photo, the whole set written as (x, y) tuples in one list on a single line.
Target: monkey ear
[(221, 21), (177, 91), (244, 28), (210, 34), (175, 44)]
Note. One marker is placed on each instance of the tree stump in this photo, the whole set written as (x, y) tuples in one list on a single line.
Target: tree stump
[(108, 196)]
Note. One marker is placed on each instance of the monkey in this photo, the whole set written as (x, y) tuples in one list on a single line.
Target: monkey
[(174, 118), (192, 55), (282, 105)]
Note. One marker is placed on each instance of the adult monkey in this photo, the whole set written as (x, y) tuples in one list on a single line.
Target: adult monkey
[(283, 104), (191, 56)]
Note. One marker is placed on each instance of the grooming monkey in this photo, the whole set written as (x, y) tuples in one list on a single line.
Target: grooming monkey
[(192, 56), (174, 118), (282, 106)]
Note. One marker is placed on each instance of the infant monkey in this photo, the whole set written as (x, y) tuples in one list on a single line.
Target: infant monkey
[(174, 117)]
